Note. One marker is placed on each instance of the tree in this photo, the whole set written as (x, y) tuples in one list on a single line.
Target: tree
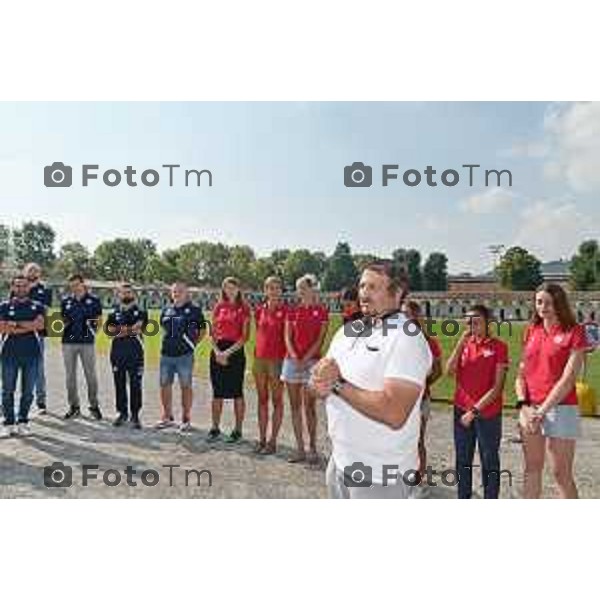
[(362, 260), (241, 259), (34, 242), (203, 263), (585, 267), (162, 269), (519, 270), (124, 259), (74, 257), (298, 263), (341, 271), (4, 243), (435, 273), (410, 261), (261, 269)]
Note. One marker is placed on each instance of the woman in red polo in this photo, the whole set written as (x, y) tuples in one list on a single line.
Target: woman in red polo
[(230, 329), (553, 354), (479, 363), (305, 330), (268, 359)]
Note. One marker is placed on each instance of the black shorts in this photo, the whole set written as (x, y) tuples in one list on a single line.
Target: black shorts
[(228, 381)]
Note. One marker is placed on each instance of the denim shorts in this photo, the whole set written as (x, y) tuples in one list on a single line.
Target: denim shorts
[(562, 421), (183, 366), (292, 373)]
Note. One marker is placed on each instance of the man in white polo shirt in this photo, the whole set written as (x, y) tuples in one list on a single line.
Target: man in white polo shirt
[(372, 380)]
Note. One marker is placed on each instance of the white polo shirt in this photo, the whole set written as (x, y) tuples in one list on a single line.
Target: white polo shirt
[(365, 362)]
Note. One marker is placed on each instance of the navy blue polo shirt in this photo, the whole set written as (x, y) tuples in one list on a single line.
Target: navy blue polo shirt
[(27, 344), (181, 328), (124, 317), (76, 313), (40, 293)]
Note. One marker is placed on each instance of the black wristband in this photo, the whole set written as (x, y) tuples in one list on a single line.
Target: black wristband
[(475, 411), (337, 386), (521, 403)]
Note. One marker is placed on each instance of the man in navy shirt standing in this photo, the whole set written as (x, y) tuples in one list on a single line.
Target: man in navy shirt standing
[(21, 320), (124, 325), (183, 327), (81, 312), (41, 294)]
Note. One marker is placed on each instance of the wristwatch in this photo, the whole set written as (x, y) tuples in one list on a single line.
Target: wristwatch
[(521, 403), (475, 411), (337, 386)]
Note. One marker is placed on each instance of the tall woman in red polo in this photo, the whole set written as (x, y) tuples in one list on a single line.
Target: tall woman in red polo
[(479, 363), (230, 329), (305, 330), (268, 359), (553, 354)]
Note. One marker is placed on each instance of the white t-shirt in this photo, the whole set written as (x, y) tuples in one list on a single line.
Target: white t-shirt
[(389, 352)]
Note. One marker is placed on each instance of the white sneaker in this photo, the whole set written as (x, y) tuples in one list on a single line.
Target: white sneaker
[(24, 429), (7, 431), (185, 427), (165, 424)]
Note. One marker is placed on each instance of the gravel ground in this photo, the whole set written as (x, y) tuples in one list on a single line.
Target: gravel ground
[(236, 472)]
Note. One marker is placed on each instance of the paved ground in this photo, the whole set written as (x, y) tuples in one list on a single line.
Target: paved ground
[(236, 471)]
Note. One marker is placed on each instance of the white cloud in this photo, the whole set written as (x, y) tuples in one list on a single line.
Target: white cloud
[(490, 201), (573, 132), (553, 230)]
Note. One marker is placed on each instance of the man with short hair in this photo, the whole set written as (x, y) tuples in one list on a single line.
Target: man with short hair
[(41, 294), (184, 327), (372, 380), (81, 312), (21, 320), (124, 325)]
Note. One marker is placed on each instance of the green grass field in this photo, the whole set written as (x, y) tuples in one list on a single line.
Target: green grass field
[(442, 389)]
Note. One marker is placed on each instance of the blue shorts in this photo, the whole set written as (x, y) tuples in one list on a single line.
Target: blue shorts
[(292, 373), (183, 366), (562, 421)]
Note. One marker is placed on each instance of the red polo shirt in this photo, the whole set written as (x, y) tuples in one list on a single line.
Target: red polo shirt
[(228, 320), (270, 331), (545, 355), (476, 373), (305, 326), (436, 353)]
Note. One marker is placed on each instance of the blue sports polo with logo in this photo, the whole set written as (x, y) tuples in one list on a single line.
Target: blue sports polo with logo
[(181, 328), (76, 314), (40, 293), (25, 345), (132, 345)]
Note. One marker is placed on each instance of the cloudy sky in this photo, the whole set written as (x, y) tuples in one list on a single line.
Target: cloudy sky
[(278, 174)]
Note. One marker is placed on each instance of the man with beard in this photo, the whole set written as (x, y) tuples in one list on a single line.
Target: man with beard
[(41, 294), (21, 320), (372, 380), (124, 325)]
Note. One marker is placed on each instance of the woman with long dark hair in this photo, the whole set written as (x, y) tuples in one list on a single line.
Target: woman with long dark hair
[(553, 354), (478, 363), (230, 331)]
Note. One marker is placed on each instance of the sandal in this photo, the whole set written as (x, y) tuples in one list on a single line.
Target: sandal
[(260, 447), (296, 457), (269, 448)]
